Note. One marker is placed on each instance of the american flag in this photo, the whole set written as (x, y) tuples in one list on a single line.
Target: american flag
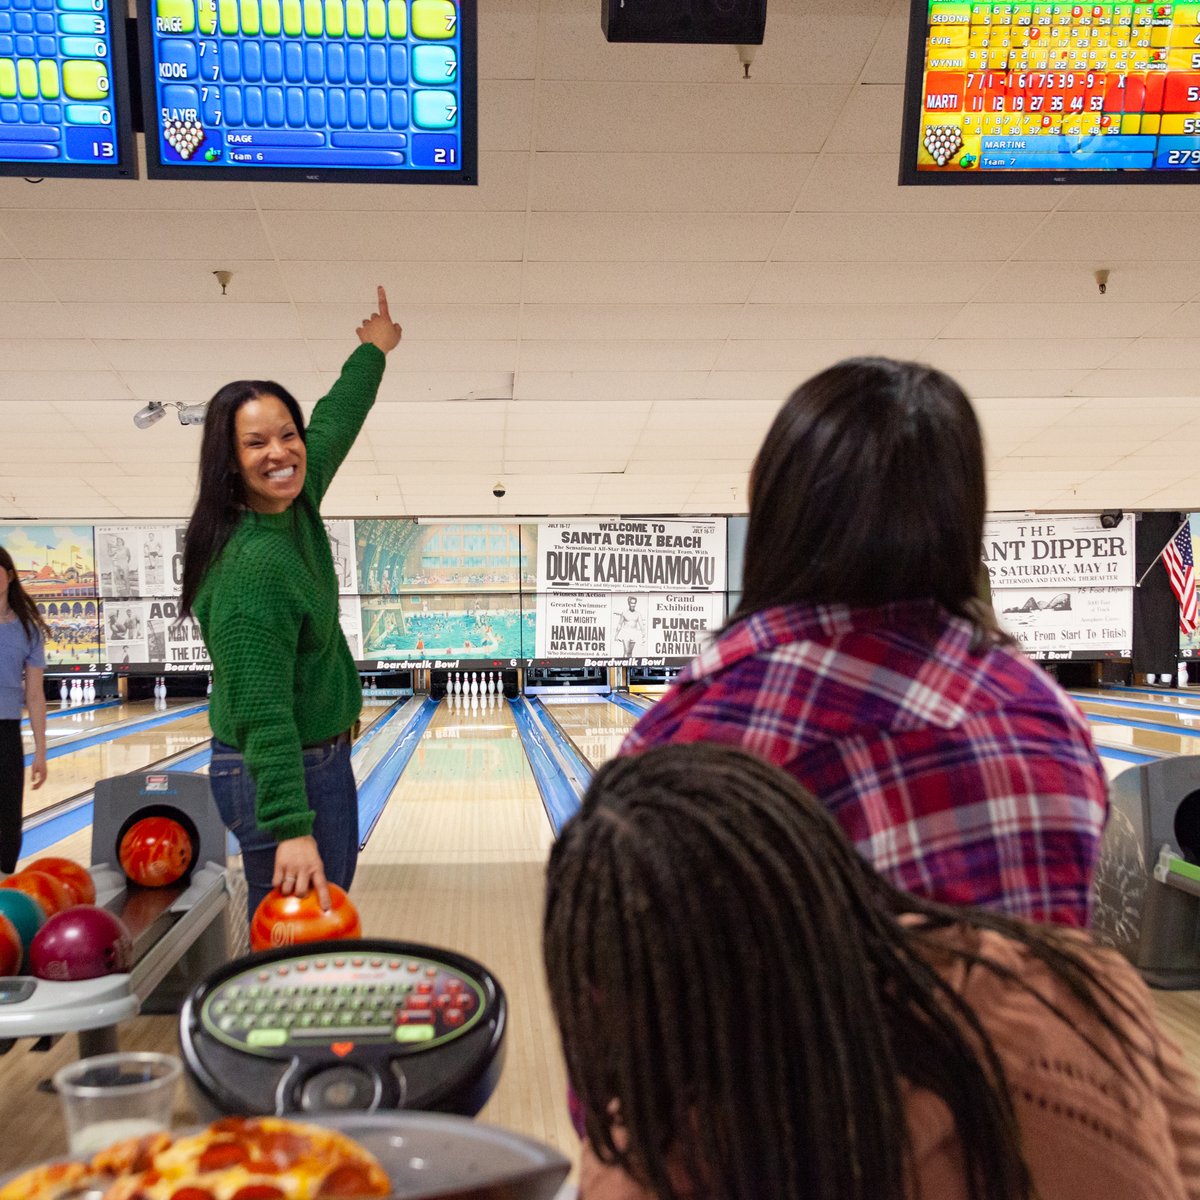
[(1177, 558)]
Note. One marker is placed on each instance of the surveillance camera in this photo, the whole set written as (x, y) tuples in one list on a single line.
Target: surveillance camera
[(498, 490), (145, 417)]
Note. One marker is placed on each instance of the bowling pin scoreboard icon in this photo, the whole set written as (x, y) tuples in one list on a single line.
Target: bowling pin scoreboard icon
[(382, 89)]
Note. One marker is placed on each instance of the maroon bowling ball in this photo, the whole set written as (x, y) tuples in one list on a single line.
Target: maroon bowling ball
[(83, 942)]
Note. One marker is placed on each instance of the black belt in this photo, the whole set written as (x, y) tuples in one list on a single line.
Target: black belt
[(329, 743)]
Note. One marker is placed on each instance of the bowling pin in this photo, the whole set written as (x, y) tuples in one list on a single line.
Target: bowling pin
[(90, 691), (1182, 677), (474, 683), (76, 692), (64, 694), (209, 690)]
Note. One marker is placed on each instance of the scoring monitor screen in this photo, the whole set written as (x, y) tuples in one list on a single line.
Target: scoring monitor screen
[(1026, 93), (64, 104), (353, 90)]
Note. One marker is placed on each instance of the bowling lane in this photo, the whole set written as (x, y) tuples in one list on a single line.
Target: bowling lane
[(457, 859), (1185, 716), (78, 771), (1149, 741), (595, 726), (1171, 698), (66, 722)]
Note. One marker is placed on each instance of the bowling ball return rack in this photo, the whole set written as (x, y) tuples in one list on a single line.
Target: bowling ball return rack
[(1146, 893), (178, 932)]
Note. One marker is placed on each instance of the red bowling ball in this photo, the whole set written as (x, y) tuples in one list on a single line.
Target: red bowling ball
[(289, 920), (156, 852), (50, 892), (11, 950), (83, 942), (76, 878)]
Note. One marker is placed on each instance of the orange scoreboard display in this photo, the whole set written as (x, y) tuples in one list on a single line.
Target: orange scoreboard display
[(1056, 92)]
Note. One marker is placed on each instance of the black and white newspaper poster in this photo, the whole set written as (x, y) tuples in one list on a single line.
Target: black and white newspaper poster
[(1058, 551), (350, 619), (135, 561), (1063, 585), (628, 591), (149, 631), (1069, 622), (341, 544)]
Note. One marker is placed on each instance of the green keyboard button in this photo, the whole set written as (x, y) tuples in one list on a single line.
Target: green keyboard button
[(266, 1037), (414, 1033)]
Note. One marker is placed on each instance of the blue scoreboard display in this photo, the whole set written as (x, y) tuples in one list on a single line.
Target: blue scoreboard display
[(354, 90), (64, 103)]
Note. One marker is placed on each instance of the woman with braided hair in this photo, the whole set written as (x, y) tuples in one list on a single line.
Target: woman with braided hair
[(749, 1011)]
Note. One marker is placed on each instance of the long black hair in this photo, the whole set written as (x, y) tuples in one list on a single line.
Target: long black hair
[(221, 500), (740, 996), (31, 620), (869, 488)]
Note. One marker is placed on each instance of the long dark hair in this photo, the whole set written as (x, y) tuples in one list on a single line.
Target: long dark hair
[(869, 488), (222, 496), (738, 993), (31, 620)]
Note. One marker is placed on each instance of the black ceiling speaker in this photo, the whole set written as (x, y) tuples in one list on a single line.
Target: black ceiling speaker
[(724, 22)]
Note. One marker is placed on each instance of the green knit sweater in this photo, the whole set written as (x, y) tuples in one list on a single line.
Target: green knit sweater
[(283, 677)]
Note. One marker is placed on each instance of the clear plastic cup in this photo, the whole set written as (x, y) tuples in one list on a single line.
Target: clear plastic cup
[(116, 1096)]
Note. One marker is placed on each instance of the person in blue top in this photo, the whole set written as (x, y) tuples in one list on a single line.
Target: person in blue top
[(22, 661)]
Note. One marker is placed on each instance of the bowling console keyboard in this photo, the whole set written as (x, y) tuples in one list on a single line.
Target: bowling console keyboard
[(358, 1025)]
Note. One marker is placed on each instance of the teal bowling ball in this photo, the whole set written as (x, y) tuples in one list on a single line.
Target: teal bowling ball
[(26, 914)]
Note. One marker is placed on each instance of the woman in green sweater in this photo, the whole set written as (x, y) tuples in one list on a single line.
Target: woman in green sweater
[(258, 575)]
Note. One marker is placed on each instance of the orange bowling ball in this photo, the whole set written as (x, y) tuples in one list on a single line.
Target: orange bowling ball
[(48, 890), (11, 949), (156, 852), (78, 879), (289, 920)]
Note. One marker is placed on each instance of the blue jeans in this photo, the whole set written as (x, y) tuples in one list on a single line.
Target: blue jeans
[(332, 796)]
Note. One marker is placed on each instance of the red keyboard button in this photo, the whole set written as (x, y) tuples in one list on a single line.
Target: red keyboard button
[(414, 967), (424, 989), (419, 1003), (453, 1017), (431, 972), (446, 1001), (454, 985), (414, 1018)]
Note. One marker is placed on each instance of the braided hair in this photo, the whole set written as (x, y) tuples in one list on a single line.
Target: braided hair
[(740, 1001)]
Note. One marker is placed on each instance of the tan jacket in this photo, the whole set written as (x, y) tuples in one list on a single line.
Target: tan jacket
[(1086, 1135)]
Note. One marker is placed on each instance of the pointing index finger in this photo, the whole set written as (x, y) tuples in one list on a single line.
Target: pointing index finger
[(383, 304)]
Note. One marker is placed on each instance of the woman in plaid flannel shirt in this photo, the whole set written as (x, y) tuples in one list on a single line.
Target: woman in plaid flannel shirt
[(862, 661)]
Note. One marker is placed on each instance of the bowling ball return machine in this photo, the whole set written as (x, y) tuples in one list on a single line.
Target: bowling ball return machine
[(178, 932), (1146, 894)]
